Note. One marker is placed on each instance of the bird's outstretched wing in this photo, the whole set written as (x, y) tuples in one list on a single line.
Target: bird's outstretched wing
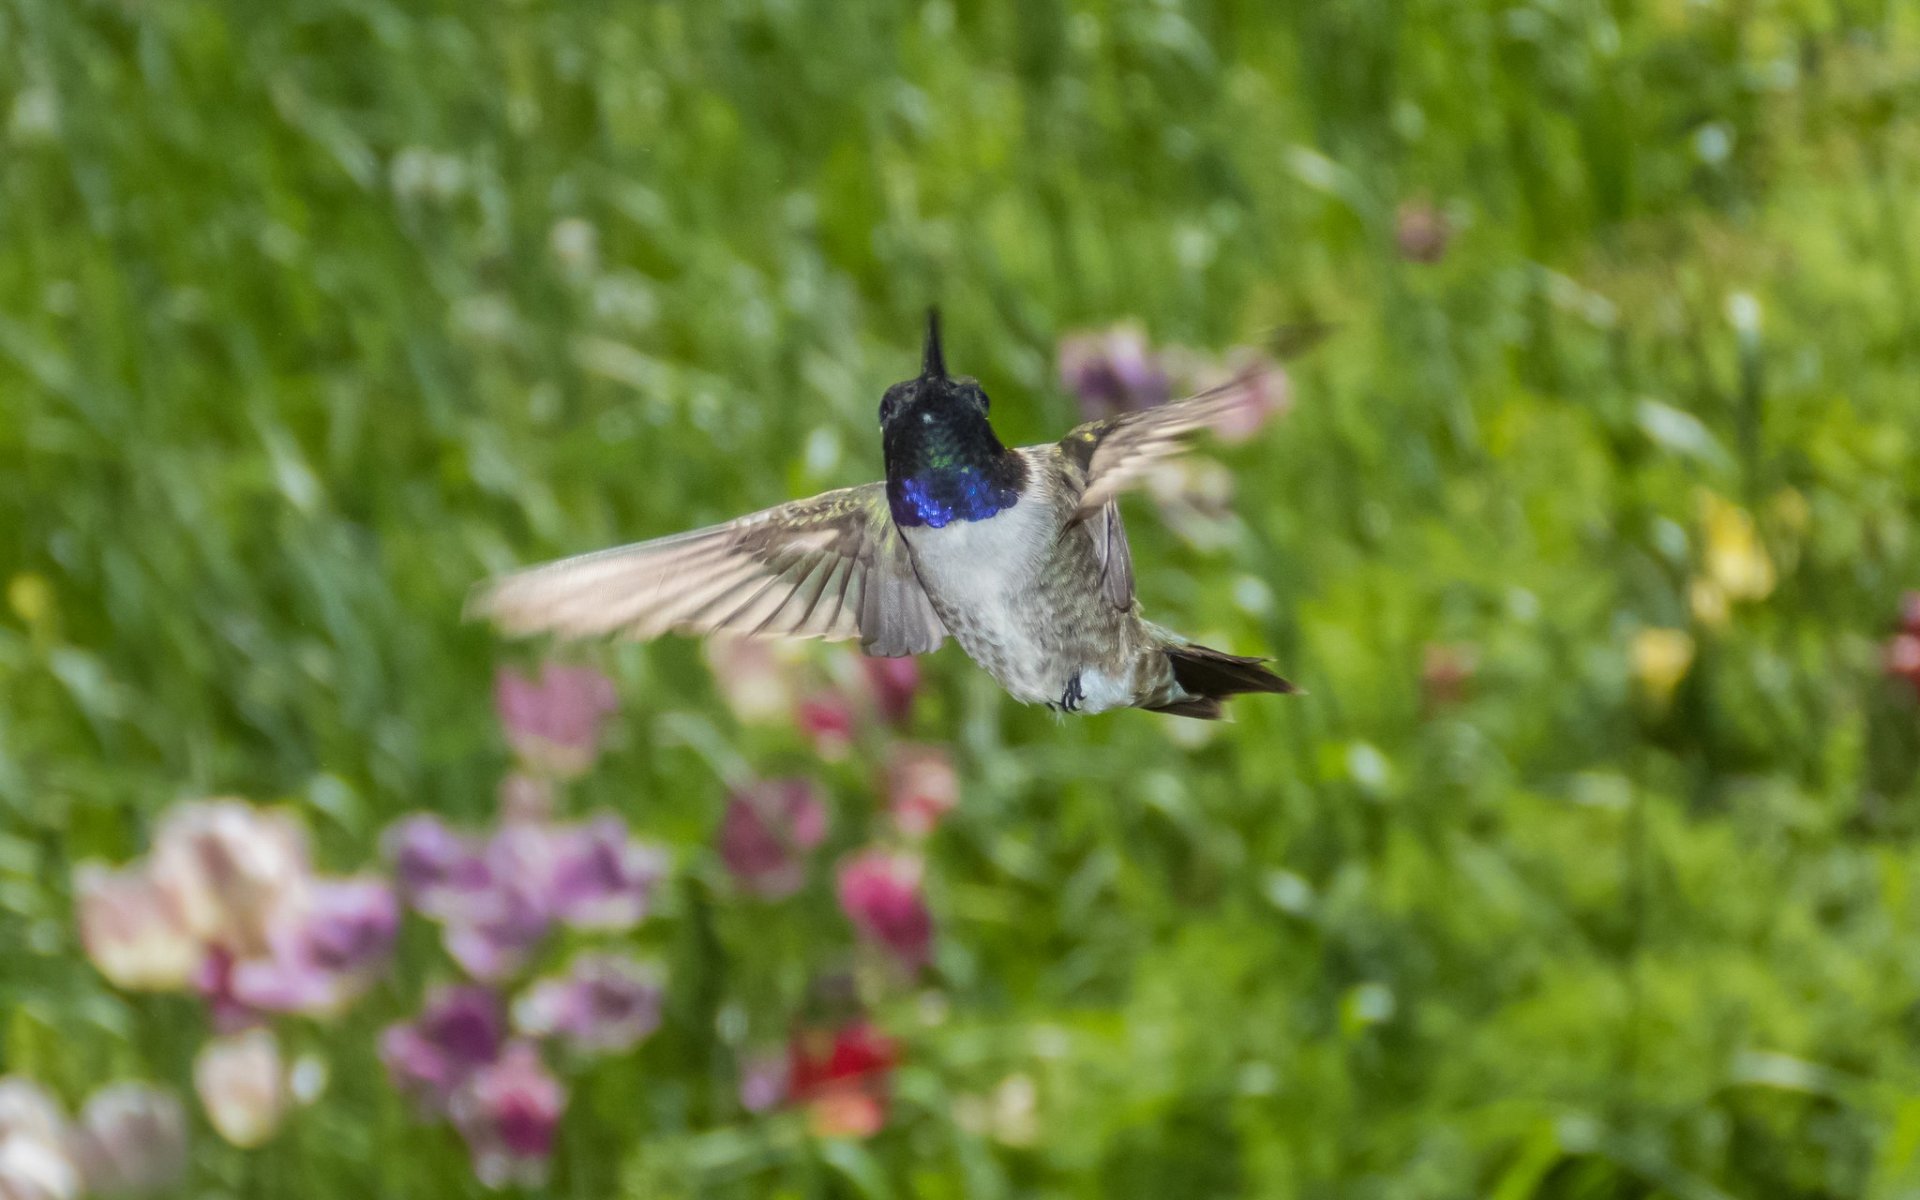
[(1113, 454), (833, 566)]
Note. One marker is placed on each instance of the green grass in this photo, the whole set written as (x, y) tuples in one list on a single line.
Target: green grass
[(295, 345)]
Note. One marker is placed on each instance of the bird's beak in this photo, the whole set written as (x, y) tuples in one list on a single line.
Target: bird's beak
[(933, 363)]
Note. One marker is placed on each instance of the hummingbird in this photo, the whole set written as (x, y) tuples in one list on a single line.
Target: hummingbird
[(1018, 553)]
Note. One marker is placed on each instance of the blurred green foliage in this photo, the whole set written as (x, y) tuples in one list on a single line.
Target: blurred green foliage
[(313, 313)]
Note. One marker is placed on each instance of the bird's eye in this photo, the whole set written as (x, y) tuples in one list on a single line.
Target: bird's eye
[(889, 404)]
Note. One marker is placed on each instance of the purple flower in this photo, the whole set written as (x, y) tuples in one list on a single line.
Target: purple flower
[(554, 723), (881, 895), (1112, 371), (324, 959), (459, 1031), (509, 1113), (763, 1080), (434, 864), (604, 1004), (766, 833), (131, 1139), (604, 879)]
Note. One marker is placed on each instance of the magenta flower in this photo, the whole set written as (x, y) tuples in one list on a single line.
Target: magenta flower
[(131, 1139), (459, 1031), (1112, 371), (509, 1113), (604, 1004), (921, 787), (892, 684), (328, 955), (881, 895), (766, 833), (554, 723)]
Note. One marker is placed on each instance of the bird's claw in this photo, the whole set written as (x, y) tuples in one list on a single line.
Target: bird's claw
[(1071, 698)]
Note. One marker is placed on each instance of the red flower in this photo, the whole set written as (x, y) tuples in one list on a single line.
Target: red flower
[(841, 1077)]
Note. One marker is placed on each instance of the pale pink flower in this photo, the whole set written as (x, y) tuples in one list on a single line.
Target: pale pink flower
[(135, 931), (131, 1140), (554, 723), (242, 1083), (235, 870), (326, 957), (921, 787)]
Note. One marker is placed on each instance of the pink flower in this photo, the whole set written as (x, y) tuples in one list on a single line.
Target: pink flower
[(1902, 658), (826, 718), (766, 834), (131, 1140), (1446, 671), (921, 787), (554, 724), (881, 895), (509, 1114), (325, 958), (1421, 232), (1112, 371), (459, 1031), (604, 1004), (892, 684)]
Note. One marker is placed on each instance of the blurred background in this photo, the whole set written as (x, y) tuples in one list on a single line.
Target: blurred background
[(1584, 508)]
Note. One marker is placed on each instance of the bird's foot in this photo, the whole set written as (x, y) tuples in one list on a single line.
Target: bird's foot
[(1071, 698)]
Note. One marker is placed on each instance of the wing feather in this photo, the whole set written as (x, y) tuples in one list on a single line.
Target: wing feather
[(1115, 453), (811, 568)]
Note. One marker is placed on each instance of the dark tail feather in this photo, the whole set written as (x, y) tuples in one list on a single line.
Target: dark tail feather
[(1209, 676)]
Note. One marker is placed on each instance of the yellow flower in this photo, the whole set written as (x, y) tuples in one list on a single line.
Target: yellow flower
[(1661, 659), (1736, 562)]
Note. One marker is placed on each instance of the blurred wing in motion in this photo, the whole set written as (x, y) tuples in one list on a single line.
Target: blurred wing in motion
[(832, 567), (1116, 452)]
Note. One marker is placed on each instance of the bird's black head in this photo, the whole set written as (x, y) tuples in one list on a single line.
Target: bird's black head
[(934, 397), (943, 460)]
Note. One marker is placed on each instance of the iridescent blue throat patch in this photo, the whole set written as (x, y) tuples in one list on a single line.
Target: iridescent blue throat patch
[(939, 497)]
